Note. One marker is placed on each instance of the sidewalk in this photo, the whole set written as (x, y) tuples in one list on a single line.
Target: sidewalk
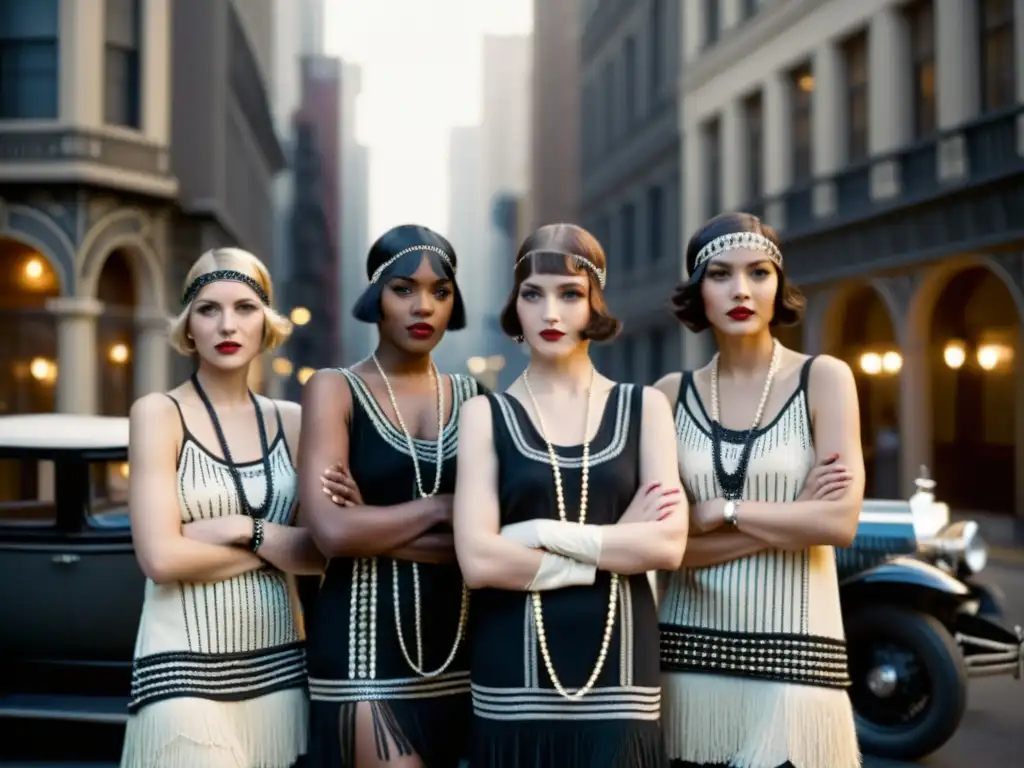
[(1004, 535)]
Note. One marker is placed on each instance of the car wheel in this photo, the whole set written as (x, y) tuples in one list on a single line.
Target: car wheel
[(909, 681)]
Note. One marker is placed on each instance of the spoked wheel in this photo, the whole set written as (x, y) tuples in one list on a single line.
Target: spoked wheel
[(909, 682)]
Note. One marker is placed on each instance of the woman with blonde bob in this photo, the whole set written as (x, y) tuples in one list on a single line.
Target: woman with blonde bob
[(219, 671)]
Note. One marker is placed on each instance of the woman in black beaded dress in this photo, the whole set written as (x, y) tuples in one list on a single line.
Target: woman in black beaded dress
[(567, 495), (386, 639)]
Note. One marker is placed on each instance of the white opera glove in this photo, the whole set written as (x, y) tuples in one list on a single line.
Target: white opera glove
[(556, 572), (580, 542)]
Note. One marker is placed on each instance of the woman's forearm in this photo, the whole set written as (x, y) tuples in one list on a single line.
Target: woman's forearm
[(494, 561), (367, 531), (800, 524), (196, 562), (429, 548), (720, 547), (641, 547), (291, 549)]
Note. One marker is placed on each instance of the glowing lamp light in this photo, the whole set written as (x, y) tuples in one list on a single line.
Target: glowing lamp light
[(871, 363), (476, 365), (988, 356), (954, 355), (304, 374), (119, 354), (300, 316), (892, 362), (282, 366), (33, 269), (41, 368)]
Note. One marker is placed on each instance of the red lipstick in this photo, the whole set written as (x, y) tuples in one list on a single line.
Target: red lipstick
[(228, 347), (420, 330), (740, 313), (551, 335)]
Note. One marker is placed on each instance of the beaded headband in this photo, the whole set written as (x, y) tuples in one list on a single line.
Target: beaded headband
[(583, 261), (223, 274), (751, 241), (439, 251)]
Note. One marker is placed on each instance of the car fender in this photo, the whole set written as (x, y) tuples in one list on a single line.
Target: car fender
[(904, 581)]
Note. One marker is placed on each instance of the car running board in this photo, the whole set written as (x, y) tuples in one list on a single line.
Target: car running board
[(89, 709)]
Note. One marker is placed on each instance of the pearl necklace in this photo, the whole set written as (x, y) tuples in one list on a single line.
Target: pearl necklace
[(438, 468), (538, 613), (732, 483)]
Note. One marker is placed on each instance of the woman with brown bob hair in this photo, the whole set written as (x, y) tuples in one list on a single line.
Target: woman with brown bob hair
[(567, 494), (752, 646)]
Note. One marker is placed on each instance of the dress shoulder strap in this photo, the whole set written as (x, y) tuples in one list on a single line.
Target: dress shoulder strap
[(177, 407), (805, 387)]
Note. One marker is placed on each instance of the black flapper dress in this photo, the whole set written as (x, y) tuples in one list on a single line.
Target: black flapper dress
[(353, 649), (520, 719)]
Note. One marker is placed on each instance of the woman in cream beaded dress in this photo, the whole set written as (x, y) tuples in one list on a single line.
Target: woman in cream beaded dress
[(752, 645), (219, 678), (567, 496)]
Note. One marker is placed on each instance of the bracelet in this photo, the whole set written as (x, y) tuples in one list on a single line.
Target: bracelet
[(731, 508), (257, 534)]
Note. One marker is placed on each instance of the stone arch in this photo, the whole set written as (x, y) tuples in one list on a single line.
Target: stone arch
[(127, 230), (829, 310), (35, 229)]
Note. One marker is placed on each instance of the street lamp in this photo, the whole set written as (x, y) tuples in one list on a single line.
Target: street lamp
[(300, 316), (955, 354), (119, 354)]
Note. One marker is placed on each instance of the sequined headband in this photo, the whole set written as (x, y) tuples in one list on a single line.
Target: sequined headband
[(439, 251), (751, 241), (223, 274), (583, 261)]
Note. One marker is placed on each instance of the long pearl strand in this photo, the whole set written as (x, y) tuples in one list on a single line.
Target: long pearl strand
[(538, 613), (773, 368), (439, 461)]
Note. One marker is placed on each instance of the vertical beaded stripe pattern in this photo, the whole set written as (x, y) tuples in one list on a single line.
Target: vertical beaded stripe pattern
[(538, 613), (732, 483), (418, 665)]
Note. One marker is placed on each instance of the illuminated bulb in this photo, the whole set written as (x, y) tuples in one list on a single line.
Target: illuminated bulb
[(300, 316), (282, 366), (476, 365), (988, 356), (304, 374), (119, 354), (871, 363), (954, 355), (33, 269), (892, 362)]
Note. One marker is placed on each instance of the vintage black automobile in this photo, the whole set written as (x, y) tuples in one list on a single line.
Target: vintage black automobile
[(918, 623), (73, 590)]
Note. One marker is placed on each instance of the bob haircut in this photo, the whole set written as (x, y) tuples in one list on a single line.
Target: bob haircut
[(276, 328), (551, 250), (406, 237), (687, 299)]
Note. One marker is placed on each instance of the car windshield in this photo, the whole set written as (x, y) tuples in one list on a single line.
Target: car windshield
[(26, 493), (108, 494)]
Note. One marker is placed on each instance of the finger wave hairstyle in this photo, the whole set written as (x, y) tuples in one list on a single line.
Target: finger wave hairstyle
[(276, 327), (552, 248), (688, 304)]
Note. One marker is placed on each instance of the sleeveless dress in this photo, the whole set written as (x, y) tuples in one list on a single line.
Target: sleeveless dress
[(520, 719), (219, 673), (753, 651), (354, 653)]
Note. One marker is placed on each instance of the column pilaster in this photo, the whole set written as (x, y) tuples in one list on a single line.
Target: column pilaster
[(152, 353), (828, 125), (958, 80), (779, 137), (889, 97), (77, 374)]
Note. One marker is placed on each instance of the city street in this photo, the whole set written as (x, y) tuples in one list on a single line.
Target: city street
[(991, 736)]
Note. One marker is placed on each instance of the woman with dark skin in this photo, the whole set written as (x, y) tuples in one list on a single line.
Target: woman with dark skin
[(388, 671), (753, 654)]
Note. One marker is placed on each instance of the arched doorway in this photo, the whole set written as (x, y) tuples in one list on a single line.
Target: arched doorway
[(115, 333), (973, 356), (859, 330), (28, 343)]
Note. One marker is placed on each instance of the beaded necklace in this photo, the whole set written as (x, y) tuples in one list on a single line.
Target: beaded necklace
[(538, 613), (418, 665)]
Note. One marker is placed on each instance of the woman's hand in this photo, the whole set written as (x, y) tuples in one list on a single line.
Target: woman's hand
[(826, 481), (225, 531), (340, 486), (707, 515), (652, 502)]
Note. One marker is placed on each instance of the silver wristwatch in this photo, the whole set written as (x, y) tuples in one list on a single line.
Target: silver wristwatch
[(731, 507)]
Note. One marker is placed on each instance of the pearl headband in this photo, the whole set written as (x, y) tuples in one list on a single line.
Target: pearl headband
[(433, 248), (223, 274), (600, 274), (751, 241)]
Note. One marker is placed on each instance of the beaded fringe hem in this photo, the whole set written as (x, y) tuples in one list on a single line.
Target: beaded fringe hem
[(567, 744), (715, 719), (434, 729), (265, 732)]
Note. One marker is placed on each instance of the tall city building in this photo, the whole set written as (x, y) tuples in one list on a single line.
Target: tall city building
[(885, 141), (630, 175), (134, 134)]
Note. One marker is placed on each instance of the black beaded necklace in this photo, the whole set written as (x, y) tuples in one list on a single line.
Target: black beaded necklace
[(732, 483), (236, 476)]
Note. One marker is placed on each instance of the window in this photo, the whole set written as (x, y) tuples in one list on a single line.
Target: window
[(855, 55), (921, 20), (753, 127), (655, 222), (27, 493), (609, 103), (628, 236), (712, 168), (654, 46), (998, 86), (108, 494), (629, 67), (29, 59), (711, 25), (656, 362), (801, 92), (121, 85)]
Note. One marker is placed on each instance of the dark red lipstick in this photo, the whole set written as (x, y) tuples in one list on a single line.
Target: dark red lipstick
[(228, 347), (740, 313), (551, 335), (420, 330)]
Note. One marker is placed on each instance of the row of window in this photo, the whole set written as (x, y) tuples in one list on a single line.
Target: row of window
[(605, 115), (619, 232), (30, 61), (713, 21), (998, 90)]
